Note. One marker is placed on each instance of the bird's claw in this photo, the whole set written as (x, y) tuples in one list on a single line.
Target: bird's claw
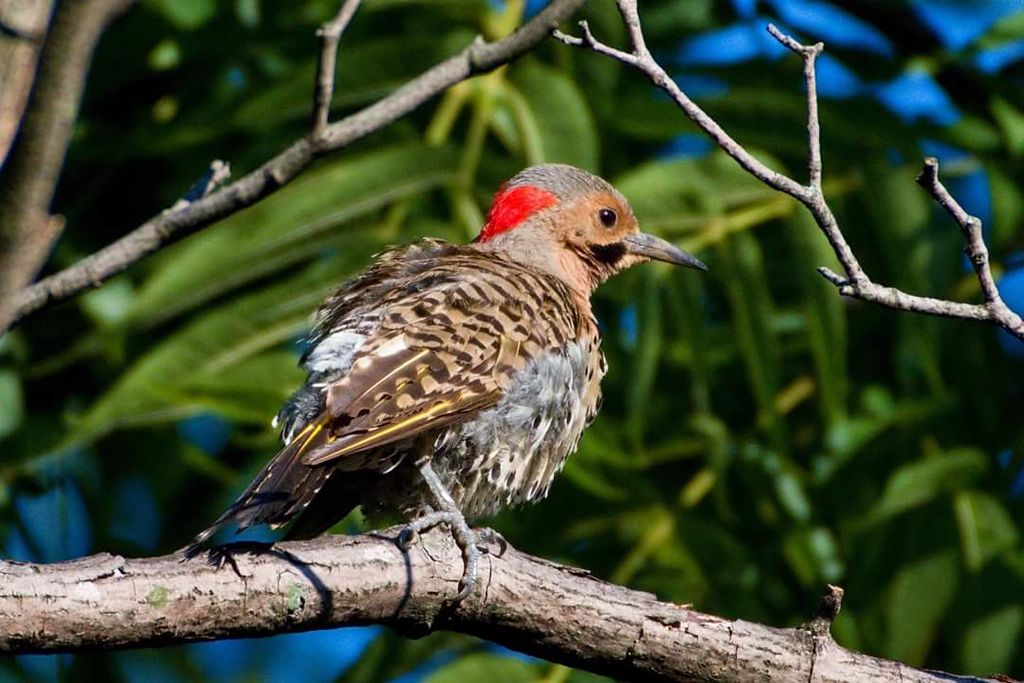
[(472, 543), (487, 537), (406, 537)]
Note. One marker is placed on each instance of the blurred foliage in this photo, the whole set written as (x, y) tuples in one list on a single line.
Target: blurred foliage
[(760, 436)]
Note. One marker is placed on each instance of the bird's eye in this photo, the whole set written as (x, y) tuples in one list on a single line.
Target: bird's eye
[(608, 218)]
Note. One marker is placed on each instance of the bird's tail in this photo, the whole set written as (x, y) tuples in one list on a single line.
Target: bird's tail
[(284, 488)]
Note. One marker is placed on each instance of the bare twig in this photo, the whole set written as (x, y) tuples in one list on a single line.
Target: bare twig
[(559, 613), (975, 248), (855, 283), (828, 609), (810, 54), (29, 176), (171, 226), (323, 89)]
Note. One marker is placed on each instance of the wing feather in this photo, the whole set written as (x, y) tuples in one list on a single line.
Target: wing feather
[(438, 354)]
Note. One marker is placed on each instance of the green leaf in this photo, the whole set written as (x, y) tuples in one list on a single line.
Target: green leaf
[(814, 556), (553, 118), (989, 644), (251, 390), (367, 70), (109, 305), (824, 315), (1007, 196), (920, 482), (294, 224), (1011, 123), (975, 134), (918, 598), (185, 14), (157, 386), (390, 655), (12, 402), (248, 12), (986, 528), (1009, 27), (679, 195), (742, 269), (646, 353), (485, 667)]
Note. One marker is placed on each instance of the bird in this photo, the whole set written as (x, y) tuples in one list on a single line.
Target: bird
[(450, 381)]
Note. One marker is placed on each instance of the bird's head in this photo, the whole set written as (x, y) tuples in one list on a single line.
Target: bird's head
[(572, 224)]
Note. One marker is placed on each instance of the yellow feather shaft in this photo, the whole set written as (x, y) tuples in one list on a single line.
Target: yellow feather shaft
[(398, 368), (391, 429), (317, 428)]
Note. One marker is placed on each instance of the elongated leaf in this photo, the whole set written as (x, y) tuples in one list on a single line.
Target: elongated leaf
[(825, 320), (485, 667), (12, 403), (989, 643), (922, 481), (682, 194), (384, 64), (814, 556), (986, 528), (296, 223), (747, 286), (155, 388), (646, 353), (918, 598), (252, 389), (554, 120)]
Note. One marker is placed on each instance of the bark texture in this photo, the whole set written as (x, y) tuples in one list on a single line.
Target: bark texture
[(22, 27), (29, 176), (559, 613)]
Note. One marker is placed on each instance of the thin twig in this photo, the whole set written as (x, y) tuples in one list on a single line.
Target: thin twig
[(642, 60), (169, 227), (855, 283), (810, 54), (323, 90), (975, 247)]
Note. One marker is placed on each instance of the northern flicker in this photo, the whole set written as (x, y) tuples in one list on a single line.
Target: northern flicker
[(451, 381)]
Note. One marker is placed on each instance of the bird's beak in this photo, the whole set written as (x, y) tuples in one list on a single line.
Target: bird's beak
[(658, 249)]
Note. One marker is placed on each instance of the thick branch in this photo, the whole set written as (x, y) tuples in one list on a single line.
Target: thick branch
[(171, 226), (856, 283), (29, 177), (555, 612), (22, 30)]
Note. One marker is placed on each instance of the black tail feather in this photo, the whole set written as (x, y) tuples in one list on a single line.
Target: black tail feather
[(282, 490)]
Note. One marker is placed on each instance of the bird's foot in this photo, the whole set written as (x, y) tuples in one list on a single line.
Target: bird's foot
[(225, 555), (487, 537), (472, 543)]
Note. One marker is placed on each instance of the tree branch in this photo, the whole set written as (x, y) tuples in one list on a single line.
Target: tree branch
[(975, 248), (22, 31), (856, 283), (323, 91), (31, 172), (171, 226), (526, 603)]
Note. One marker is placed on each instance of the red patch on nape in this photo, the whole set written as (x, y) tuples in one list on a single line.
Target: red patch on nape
[(511, 207)]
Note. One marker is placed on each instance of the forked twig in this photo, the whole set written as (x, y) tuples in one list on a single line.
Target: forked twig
[(855, 283)]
